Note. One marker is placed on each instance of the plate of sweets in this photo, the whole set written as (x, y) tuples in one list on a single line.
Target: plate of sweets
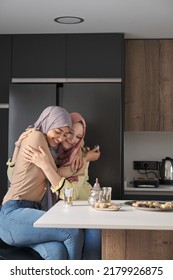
[(104, 206), (153, 205)]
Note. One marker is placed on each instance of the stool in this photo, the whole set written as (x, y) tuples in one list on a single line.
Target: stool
[(8, 252)]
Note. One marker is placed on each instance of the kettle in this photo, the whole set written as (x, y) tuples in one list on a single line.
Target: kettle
[(166, 171)]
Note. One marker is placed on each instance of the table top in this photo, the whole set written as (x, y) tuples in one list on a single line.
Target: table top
[(81, 215)]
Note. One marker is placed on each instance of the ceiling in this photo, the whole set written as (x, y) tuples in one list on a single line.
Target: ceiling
[(134, 18)]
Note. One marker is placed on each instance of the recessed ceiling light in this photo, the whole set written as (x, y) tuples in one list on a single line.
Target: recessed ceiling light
[(68, 20)]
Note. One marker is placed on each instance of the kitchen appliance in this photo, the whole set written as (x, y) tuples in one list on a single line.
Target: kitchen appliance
[(100, 103), (166, 171), (146, 183)]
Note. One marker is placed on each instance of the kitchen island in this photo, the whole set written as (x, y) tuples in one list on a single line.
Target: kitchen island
[(126, 234)]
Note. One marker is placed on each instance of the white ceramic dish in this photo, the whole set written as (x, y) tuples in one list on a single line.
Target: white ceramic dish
[(118, 206), (153, 209)]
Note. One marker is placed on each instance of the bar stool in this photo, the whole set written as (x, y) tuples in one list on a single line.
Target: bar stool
[(8, 252)]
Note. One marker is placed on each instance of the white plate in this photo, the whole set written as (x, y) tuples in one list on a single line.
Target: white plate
[(109, 209), (153, 209)]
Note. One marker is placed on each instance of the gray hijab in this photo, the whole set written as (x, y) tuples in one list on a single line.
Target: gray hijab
[(51, 118)]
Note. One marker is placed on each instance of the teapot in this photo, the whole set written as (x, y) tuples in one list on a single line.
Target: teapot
[(95, 192), (166, 171)]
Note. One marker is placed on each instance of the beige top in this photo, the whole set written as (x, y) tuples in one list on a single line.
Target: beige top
[(28, 181)]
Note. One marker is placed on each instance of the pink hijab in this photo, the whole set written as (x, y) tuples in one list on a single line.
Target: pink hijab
[(65, 157)]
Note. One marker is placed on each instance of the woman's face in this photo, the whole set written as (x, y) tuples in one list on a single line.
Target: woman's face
[(74, 136), (57, 135)]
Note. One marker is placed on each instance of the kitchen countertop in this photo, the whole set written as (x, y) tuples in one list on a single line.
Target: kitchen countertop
[(162, 189), (81, 215)]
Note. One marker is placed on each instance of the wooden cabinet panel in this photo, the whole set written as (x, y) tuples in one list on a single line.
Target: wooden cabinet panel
[(148, 85), (137, 244), (166, 85), (142, 99), (113, 244), (95, 55), (39, 56)]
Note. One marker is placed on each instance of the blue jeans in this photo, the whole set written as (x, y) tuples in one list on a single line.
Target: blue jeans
[(16, 228), (92, 244)]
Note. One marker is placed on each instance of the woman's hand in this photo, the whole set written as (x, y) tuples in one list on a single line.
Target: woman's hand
[(41, 160), (37, 157), (77, 162), (93, 154), (23, 136), (18, 143)]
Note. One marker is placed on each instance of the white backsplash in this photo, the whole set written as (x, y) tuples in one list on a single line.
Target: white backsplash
[(145, 146)]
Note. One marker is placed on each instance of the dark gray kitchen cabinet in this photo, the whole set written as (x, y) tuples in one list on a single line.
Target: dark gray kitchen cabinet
[(3, 152), (95, 55), (5, 79), (39, 56), (101, 106), (26, 102), (68, 56), (5, 67)]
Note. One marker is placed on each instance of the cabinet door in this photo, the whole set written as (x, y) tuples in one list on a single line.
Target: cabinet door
[(5, 67), (142, 96), (5, 79), (166, 85), (101, 106), (3, 152), (26, 102), (38, 56), (95, 55)]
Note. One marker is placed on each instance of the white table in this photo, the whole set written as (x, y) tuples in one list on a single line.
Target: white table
[(127, 234)]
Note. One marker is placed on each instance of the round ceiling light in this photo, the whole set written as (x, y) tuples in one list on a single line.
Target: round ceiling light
[(68, 20)]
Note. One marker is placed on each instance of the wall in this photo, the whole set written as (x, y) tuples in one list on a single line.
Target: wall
[(147, 146)]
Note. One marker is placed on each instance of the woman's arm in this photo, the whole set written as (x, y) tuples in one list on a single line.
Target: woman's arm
[(11, 161), (18, 144), (57, 176), (93, 155), (41, 160), (81, 187), (79, 163)]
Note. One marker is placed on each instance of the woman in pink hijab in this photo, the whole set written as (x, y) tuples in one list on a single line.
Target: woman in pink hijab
[(69, 149)]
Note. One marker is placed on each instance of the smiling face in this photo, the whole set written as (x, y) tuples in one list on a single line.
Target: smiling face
[(57, 135), (74, 136)]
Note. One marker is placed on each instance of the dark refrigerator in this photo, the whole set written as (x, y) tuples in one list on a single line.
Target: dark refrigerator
[(101, 106)]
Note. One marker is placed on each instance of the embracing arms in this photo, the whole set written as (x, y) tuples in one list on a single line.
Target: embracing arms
[(39, 158)]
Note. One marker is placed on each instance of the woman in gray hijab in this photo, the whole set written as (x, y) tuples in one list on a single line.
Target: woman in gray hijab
[(21, 206)]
